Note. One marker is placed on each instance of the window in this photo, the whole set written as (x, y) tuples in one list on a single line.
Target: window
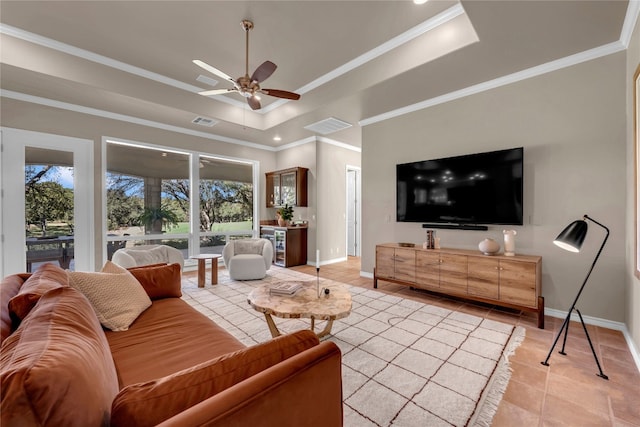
[(226, 202), (149, 199), (49, 201)]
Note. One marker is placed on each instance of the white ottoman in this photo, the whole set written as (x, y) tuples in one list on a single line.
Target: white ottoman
[(247, 267)]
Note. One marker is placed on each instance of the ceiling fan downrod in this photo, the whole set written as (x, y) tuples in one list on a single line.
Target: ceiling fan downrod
[(247, 25)]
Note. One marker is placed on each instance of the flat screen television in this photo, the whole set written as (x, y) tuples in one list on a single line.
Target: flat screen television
[(482, 188)]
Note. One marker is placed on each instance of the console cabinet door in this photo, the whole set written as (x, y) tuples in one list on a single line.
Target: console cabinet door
[(428, 269), (384, 262), (518, 283), (405, 264), (484, 277), (453, 273)]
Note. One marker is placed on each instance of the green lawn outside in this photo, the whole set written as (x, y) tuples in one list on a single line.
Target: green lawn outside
[(222, 227)]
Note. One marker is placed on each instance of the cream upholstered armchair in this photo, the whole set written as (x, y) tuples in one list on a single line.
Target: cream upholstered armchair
[(147, 254), (248, 259)]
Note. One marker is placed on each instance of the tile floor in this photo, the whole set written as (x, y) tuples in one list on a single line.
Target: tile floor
[(566, 393)]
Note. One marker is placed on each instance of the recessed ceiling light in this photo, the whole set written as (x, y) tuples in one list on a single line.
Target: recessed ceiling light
[(419, 1), (277, 138)]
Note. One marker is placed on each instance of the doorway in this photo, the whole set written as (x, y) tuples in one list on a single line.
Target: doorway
[(353, 211), (60, 169)]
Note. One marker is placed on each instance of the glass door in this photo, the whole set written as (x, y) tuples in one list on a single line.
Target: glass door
[(281, 247), (47, 211), (48, 194)]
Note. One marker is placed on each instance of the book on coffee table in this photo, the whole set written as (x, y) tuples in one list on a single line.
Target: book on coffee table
[(285, 288)]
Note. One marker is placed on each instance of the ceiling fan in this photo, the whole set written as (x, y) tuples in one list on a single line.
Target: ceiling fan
[(249, 87)]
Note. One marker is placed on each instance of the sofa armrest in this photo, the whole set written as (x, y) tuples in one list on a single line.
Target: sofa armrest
[(267, 253), (227, 253), (174, 256), (305, 389)]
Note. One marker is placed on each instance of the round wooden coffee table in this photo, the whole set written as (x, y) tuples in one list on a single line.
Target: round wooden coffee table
[(303, 304)]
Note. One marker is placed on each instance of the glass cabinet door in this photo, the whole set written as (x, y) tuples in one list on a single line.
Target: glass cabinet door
[(288, 188), (277, 197)]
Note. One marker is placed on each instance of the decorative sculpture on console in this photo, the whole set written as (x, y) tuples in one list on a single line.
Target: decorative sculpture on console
[(509, 242)]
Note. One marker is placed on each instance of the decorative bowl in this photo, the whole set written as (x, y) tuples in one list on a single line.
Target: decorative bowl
[(489, 247)]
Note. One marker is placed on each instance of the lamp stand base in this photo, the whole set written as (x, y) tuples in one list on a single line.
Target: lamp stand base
[(565, 328)]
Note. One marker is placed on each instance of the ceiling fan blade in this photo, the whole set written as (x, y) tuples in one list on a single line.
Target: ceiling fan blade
[(216, 92), (213, 70), (263, 72), (254, 102), (281, 94)]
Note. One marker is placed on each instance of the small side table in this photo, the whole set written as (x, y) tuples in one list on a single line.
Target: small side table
[(202, 259)]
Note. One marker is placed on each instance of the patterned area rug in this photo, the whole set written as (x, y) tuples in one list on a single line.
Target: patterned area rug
[(405, 363)]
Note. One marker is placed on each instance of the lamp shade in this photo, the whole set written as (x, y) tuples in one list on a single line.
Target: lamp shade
[(572, 236)]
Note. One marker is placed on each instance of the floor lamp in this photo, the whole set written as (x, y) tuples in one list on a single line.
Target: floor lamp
[(571, 239)]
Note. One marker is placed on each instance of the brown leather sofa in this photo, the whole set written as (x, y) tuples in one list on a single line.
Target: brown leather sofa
[(173, 366)]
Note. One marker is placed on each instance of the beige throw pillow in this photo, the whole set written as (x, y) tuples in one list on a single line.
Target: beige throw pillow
[(116, 296)]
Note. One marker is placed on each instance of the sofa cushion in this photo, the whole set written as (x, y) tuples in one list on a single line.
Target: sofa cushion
[(46, 278), (177, 335), (159, 280), (8, 289), (149, 403), (56, 368), (242, 247), (117, 297)]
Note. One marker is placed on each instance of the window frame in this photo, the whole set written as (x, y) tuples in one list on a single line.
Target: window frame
[(194, 234)]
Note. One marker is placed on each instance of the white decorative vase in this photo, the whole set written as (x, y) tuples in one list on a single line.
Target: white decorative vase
[(509, 242), (489, 247)]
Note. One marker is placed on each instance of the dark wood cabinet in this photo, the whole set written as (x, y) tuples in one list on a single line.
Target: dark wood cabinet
[(289, 245), (286, 187)]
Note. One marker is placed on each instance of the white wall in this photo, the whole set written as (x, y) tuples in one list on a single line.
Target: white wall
[(632, 294), (332, 200), (571, 124)]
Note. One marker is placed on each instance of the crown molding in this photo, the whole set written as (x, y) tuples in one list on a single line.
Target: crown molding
[(630, 19), (94, 57), (389, 45), (129, 119), (548, 67)]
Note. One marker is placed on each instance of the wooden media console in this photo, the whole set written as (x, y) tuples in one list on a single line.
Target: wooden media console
[(507, 281)]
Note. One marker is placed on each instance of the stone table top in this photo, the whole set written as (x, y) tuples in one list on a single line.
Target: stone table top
[(305, 302)]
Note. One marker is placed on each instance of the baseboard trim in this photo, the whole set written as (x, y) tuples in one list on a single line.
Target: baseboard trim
[(604, 323), (327, 262)]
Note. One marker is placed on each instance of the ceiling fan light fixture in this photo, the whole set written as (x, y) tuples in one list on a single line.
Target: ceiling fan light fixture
[(247, 86)]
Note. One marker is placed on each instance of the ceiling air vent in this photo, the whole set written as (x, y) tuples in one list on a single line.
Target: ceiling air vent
[(328, 126), (204, 121), (207, 80)]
